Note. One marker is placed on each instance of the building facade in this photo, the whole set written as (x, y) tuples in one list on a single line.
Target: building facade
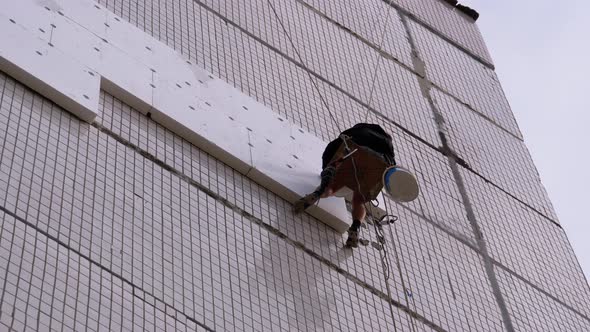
[(120, 223)]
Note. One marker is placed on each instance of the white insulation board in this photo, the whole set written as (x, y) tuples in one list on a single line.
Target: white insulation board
[(68, 50)]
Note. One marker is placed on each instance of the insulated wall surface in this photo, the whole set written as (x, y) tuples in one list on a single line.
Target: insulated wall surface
[(121, 224)]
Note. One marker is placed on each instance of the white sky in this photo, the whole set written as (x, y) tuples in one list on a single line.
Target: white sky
[(541, 50)]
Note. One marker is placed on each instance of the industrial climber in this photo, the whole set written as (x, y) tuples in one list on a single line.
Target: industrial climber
[(355, 161)]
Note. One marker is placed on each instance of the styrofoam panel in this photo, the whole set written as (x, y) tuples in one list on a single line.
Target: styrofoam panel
[(280, 172), (87, 13), (76, 41), (121, 71), (266, 127), (48, 71), (182, 112), (170, 63), (127, 37), (33, 17)]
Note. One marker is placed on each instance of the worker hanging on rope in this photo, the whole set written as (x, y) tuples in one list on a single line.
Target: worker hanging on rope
[(356, 161)]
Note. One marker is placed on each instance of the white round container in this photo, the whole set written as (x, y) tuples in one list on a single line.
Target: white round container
[(400, 184)]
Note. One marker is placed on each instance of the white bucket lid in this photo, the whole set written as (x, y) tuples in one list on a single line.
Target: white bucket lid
[(400, 184)]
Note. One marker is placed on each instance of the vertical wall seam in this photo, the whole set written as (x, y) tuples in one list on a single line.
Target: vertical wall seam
[(410, 15), (425, 85)]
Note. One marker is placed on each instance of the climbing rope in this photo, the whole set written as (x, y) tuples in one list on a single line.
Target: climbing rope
[(313, 82), (379, 57), (399, 268), (384, 256), (384, 265), (382, 253)]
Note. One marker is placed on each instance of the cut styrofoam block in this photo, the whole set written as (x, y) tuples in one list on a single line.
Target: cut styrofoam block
[(257, 116), (126, 78), (48, 71), (198, 122), (332, 211), (234, 101), (253, 115), (291, 178), (266, 153), (306, 146), (171, 64), (265, 124)]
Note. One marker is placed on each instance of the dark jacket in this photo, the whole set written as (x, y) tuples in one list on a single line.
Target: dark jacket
[(363, 134)]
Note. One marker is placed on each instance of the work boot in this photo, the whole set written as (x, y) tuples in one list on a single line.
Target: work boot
[(305, 202), (353, 238)]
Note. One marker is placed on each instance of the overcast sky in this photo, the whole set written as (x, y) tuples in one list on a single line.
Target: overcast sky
[(541, 50)]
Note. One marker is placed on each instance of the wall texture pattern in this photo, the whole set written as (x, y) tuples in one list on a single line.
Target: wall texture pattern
[(120, 224)]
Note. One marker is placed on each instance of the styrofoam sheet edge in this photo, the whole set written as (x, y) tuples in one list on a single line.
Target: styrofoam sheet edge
[(144, 106), (332, 211), (201, 142), (47, 91)]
